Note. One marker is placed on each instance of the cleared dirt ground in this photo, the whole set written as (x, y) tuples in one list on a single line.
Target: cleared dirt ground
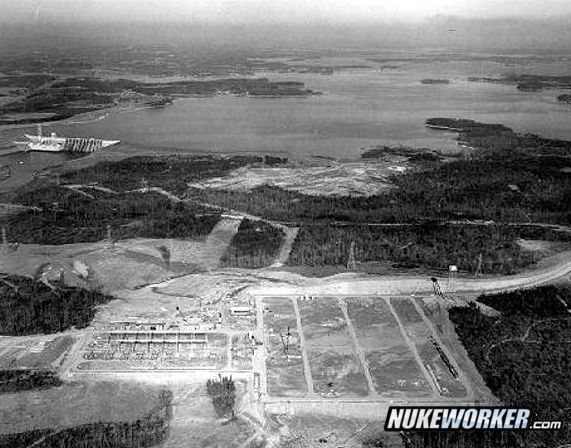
[(194, 422), (286, 375), (34, 352), (332, 357), (360, 178), (419, 334), (382, 349), (390, 361), (124, 264)]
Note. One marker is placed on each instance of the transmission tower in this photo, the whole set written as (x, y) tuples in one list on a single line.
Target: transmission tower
[(436, 287), (351, 265)]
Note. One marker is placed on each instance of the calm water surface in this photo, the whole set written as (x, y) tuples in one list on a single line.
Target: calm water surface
[(358, 109)]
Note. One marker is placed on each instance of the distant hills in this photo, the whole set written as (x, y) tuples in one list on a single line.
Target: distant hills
[(443, 32)]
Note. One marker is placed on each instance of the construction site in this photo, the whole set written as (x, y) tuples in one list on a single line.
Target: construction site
[(296, 352), (295, 340), (340, 349), (361, 348)]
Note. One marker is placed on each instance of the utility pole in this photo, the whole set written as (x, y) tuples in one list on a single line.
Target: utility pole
[(351, 264), (55, 207), (478, 272), (109, 244)]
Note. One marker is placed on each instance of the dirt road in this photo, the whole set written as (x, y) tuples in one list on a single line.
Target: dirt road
[(548, 270)]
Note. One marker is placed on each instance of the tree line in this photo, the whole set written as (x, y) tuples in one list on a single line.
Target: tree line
[(255, 245), (528, 371), (515, 189), (31, 307), (172, 172), (149, 430), (67, 216), (429, 245), (17, 380), (511, 177)]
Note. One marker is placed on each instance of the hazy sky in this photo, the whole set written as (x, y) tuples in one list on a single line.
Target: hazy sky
[(240, 11)]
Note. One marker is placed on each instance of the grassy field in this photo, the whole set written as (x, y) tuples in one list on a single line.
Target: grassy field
[(76, 404), (50, 353), (34, 354)]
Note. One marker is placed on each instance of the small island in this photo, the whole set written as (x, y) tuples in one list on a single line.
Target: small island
[(435, 81), (50, 99), (528, 83)]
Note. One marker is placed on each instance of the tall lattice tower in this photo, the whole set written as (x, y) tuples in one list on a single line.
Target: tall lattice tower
[(351, 264)]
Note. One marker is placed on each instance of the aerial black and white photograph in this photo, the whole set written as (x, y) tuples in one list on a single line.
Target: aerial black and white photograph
[(285, 223)]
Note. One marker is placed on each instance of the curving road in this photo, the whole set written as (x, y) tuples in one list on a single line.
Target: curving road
[(548, 270)]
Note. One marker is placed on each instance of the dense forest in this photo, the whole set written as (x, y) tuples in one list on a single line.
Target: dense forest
[(511, 177), (18, 380), (236, 86), (431, 245), (523, 355), (528, 82), (256, 245), (172, 173), (511, 187), (423, 157), (68, 216), (31, 307), (149, 430)]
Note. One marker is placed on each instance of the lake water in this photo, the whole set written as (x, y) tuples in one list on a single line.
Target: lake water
[(358, 109)]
